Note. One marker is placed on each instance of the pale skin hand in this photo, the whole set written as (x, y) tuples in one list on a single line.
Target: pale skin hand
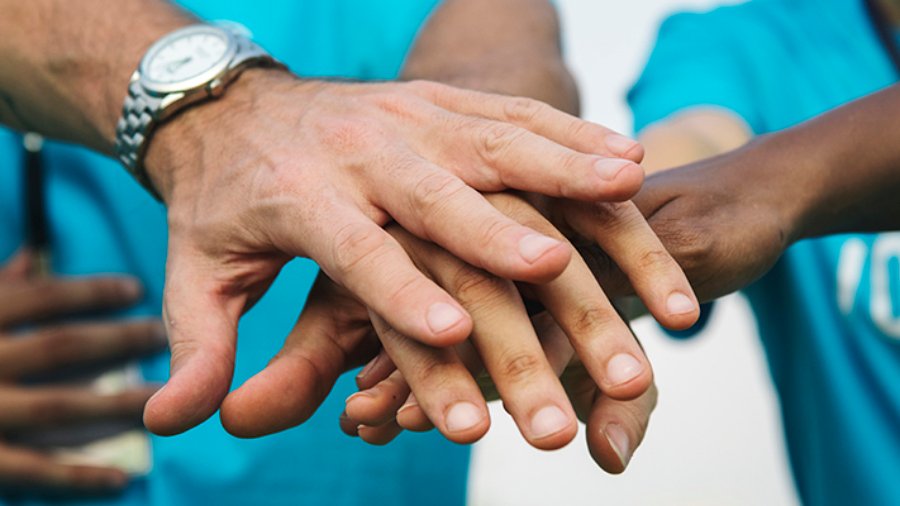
[(281, 168), (53, 347), (497, 50), (615, 428), (445, 392)]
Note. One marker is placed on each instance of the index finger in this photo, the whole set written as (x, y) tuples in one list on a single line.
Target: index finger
[(602, 340), (536, 116)]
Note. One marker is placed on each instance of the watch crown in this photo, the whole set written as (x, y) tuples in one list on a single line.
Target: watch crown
[(216, 87)]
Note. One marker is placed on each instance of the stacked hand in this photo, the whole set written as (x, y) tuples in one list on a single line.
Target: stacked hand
[(29, 403), (281, 168), (614, 390), (724, 231)]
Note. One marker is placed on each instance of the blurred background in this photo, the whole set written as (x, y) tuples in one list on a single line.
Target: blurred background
[(715, 437)]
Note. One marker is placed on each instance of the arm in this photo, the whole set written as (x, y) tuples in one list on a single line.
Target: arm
[(849, 167), (727, 219), (503, 46), (280, 167), (66, 65), (826, 198), (691, 135)]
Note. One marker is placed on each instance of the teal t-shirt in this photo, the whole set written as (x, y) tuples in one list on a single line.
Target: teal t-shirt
[(829, 311), (101, 221)]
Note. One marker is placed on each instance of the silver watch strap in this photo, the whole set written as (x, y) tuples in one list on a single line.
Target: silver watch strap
[(138, 114), (141, 111)]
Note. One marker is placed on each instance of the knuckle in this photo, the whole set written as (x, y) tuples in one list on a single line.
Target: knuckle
[(584, 131), (496, 139), (522, 110), (432, 192), (615, 215), (691, 247), (655, 259), (435, 375), (521, 367), (471, 284), (399, 295), (493, 232), (588, 318), (354, 245)]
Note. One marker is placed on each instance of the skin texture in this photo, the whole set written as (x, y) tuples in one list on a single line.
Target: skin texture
[(728, 219), (51, 346), (524, 369), (246, 193), (447, 51)]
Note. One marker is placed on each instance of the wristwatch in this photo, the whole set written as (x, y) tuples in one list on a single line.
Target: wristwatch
[(187, 66)]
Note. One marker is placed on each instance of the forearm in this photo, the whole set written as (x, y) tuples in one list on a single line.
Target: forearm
[(850, 161), (691, 135), (65, 65), (503, 46)]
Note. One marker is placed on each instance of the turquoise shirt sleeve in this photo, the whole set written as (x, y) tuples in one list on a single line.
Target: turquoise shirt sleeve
[(695, 63)]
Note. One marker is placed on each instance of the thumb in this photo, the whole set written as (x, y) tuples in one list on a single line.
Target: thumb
[(201, 319)]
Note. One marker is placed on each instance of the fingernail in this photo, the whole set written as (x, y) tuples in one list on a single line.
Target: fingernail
[(622, 368), (618, 439), (609, 168), (358, 395), (680, 303), (408, 405), (463, 416), (368, 368), (442, 316), (131, 289), (548, 421), (619, 144), (534, 246)]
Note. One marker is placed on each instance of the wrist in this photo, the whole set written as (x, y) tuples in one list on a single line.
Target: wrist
[(185, 146), (792, 181)]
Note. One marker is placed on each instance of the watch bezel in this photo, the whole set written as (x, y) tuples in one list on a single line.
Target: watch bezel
[(195, 82)]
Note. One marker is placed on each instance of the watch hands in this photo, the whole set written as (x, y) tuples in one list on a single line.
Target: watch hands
[(175, 65)]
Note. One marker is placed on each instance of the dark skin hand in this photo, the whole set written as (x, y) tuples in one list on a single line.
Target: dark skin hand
[(728, 219), (50, 347)]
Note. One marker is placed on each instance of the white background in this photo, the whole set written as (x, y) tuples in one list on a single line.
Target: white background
[(715, 437)]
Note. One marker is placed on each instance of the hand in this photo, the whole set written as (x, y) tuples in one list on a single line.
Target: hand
[(726, 220), (26, 356), (299, 378), (615, 428), (281, 168)]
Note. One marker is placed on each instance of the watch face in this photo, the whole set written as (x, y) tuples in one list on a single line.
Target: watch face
[(187, 58)]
